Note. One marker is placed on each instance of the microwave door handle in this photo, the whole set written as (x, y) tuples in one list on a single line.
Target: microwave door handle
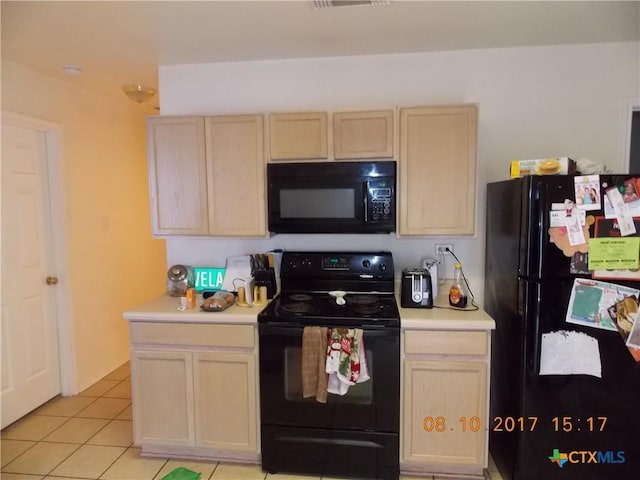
[(366, 201)]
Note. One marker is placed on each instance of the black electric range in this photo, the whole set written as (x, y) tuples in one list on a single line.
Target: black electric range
[(354, 434)]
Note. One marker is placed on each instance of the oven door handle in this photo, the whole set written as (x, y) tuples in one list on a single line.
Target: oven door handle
[(288, 330)]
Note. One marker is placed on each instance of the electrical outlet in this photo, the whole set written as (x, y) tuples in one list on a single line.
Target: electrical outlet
[(441, 248)]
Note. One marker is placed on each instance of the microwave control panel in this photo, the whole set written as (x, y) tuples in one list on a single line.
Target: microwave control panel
[(380, 196)]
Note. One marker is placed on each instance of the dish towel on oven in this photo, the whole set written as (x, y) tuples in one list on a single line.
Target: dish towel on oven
[(314, 353), (346, 359)]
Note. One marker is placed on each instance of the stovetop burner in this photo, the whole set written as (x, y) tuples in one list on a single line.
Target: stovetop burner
[(362, 299), (366, 308), (300, 297), (297, 307)]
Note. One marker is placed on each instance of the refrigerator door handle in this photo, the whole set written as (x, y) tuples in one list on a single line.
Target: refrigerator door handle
[(541, 195), (532, 330), (532, 227)]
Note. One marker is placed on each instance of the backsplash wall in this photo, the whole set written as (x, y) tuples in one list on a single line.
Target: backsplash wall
[(212, 252), (534, 102)]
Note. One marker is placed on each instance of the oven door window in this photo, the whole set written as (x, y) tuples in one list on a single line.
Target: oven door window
[(370, 405), (358, 394)]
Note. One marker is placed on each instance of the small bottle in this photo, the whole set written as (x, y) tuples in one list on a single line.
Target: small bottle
[(191, 297), (458, 292)]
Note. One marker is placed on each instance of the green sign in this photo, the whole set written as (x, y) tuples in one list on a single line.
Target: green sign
[(208, 278)]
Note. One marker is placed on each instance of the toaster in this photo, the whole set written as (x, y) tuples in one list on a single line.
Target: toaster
[(415, 288)]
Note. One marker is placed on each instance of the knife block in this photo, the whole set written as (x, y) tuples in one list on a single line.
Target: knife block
[(267, 278)]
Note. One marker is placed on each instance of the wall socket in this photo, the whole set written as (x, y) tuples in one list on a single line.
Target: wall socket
[(441, 248)]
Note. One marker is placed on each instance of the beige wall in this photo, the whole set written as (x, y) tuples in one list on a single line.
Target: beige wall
[(534, 102), (113, 263)]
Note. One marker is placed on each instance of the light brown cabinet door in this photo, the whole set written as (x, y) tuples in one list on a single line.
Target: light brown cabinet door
[(225, 400), (438, 170), (363, 134), (298, 136), (444, 417), (194, 390), (177, 175), (236, 175), (162, 393)]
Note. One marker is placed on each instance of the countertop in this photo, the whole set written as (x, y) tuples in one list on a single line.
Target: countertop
[(444, 317), (165, 309)]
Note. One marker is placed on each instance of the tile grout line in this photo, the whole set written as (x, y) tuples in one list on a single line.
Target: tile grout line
[(160, 469), (131, 445), (109, 421), (36, 443), (114, 462), (62, 461), (68, 418), (105, 426)]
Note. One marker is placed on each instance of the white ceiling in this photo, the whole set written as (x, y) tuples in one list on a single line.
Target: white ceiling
[(117, 42)]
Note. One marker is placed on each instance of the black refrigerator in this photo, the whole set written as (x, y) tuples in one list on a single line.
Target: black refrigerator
[(586, 428)]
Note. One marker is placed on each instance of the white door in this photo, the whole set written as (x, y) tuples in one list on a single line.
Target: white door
[(30, 354)]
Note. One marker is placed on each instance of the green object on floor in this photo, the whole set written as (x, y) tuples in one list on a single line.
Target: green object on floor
[(182, 473)]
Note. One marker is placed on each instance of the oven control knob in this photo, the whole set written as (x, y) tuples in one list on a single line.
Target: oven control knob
[(382, 267), (366, 263)]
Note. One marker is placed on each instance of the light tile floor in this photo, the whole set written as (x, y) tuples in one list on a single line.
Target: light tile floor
[(90, 436)]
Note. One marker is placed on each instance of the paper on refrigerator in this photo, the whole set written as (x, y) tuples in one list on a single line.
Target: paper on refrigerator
[(570, 353), (587, 189), (590, 301), (633, 339), (622, 211)]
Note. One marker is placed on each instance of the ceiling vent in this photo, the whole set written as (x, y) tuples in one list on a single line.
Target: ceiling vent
[(348, 3)]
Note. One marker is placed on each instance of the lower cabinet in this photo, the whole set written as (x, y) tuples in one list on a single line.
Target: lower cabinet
[(445, 402), (191, 399), (225, 400), (162, 392)]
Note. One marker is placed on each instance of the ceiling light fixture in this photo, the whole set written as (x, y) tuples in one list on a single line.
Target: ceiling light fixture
[(348, 3), (138, 93), (72, 70)]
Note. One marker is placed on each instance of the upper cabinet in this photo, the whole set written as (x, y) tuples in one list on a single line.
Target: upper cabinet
[(304, 135), (236, 175), (437, 170), (177, 175), (298, 136), (363, 134), (207, 175)]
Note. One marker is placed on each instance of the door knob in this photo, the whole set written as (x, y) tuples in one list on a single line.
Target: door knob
[(52, 280)]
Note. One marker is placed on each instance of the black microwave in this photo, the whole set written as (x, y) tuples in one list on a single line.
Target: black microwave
[(332, 197)]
